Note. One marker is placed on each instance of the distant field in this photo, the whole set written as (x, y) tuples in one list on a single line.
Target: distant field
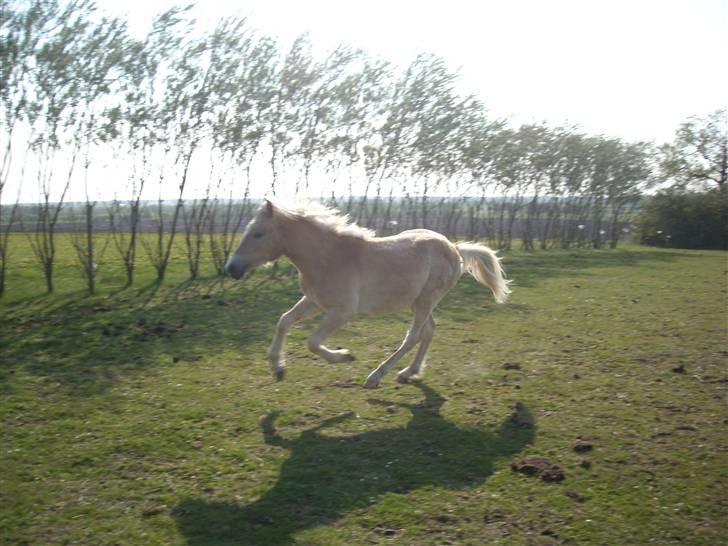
[(148, 415)]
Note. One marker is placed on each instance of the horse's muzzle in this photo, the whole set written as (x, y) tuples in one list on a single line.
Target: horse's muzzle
[(235, 270)]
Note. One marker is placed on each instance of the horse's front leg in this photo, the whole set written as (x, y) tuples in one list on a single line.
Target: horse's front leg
[(332, 321), (305, 308)]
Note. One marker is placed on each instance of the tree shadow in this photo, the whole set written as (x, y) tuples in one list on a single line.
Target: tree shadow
[(329, 475), (85, 344)]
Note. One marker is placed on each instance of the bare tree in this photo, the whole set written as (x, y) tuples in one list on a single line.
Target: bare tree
[(294, 81), (183, 116), (100, 63), (56, 112), (227, 43), (320, 113), (421, 93), (15, 55), (134, 123), (195, 219), (243, 97)]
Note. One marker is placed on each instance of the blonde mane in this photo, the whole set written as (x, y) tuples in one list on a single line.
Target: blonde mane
[(327, 218)]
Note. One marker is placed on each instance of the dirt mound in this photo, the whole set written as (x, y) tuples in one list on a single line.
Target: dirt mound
[(539, 466)]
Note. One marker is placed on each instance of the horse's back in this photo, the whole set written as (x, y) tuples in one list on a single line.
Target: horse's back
[(424, 245)]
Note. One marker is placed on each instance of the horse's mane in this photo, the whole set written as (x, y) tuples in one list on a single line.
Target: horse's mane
[(328, 218)]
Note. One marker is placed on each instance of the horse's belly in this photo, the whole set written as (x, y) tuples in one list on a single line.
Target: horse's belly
[(386, 299), (385, 291)]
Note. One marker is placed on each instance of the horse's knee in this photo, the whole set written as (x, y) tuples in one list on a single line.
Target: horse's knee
[(285, 322)]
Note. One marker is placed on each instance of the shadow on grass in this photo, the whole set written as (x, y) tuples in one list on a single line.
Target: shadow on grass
[(327, 476), (85, 343)]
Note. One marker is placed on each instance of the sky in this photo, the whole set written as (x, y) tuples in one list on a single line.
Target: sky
[(632, 69)]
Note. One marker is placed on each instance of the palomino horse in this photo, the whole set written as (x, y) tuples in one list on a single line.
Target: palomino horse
[(346, 270)]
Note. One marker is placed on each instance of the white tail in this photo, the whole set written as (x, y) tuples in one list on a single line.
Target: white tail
[(483, 264)]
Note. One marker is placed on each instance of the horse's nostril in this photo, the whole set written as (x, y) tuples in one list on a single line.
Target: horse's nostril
[(235, 271)]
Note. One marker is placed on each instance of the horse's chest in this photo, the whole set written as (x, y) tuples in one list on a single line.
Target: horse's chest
[(329, 289)]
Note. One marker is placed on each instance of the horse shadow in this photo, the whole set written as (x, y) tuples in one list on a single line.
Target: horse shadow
[(327, 476)]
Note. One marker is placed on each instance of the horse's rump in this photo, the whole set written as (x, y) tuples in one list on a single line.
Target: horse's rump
[(395, 271)]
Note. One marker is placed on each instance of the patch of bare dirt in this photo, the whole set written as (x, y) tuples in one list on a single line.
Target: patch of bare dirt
[(534, 465), (158, 329), (582, 445), (575, 495)]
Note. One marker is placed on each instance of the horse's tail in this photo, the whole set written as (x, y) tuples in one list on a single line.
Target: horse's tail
[(483, 264)]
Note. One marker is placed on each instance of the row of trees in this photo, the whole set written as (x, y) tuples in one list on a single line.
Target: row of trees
[(208, 120)]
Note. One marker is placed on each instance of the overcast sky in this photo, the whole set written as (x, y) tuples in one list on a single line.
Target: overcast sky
[(628, 68)]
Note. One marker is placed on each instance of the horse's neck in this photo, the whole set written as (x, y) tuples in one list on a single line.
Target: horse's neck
[(305, 244)]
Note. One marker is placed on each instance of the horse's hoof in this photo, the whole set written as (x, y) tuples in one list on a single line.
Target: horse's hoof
[(280, 374), (403, 379), (371, 384), (342, 355)]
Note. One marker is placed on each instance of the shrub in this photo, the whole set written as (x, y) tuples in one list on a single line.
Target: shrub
[(685, 220)]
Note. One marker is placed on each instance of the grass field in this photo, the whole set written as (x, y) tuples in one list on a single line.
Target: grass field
[(149, 416)]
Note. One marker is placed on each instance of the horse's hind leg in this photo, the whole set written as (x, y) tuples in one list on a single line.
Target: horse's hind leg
[(414, 369), (413, 337), (305, 308)]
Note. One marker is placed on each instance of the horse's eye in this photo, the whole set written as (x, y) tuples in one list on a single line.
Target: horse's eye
[(257, 235)]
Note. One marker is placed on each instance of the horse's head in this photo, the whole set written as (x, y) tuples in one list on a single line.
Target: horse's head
[(260, 243)]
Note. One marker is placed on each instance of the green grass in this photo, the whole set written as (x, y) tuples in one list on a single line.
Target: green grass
[(149, 416)]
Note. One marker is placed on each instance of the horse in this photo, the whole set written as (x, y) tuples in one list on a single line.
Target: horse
[(346, 270)]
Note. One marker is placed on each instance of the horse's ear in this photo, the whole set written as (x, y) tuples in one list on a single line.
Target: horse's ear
[(269, 206)]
